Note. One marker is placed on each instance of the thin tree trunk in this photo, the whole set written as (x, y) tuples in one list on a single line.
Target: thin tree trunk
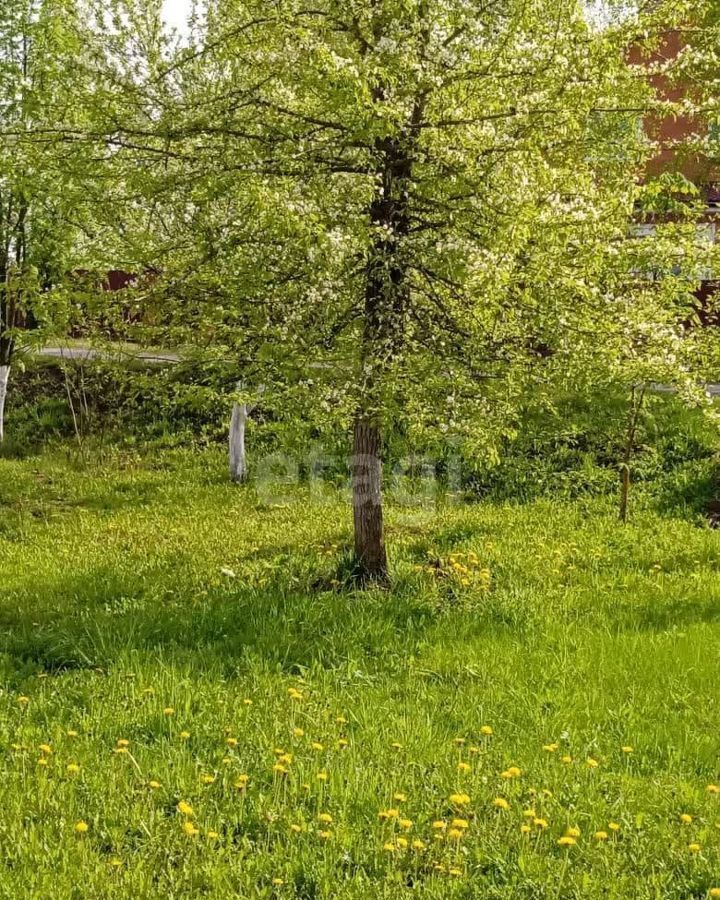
[(238, 462), (636, 402), (4, 377), (370, 555)]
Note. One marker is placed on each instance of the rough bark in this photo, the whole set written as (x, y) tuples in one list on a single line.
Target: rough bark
[(370, 554), (237, 458)]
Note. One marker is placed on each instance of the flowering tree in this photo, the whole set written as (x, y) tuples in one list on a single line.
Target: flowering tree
[(388, 211)]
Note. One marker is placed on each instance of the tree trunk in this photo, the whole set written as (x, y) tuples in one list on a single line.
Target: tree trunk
[(238, 462), (370, 555), (637, 397), (4, 376)]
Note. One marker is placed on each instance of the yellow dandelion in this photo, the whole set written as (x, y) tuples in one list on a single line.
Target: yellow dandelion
[(459, 741), (402, 843), (184, 735), (399, 797), (418, 845), (566, 759), (341, 720), (541, 823), (389, 847), (550, 748), (169, 711), (72, 768), (694, 848), (279, 769), (388, 814), (297, 829), (71, 733), (82, 827), (342, 744), (42, 761), (714, 892), (285, 759), (459, 799), (566, 841), (439, 825), (46, 749), (298, 732), (613, 826), (627, 749), (213, 835), (207, 779), (190, 829), (454, 834), (486, 730), (316, 745), (601, 835), (115, 863), (592, 763), (462, 824), (529, 813), (247, 702), (277, 882), (500, 803), (155, 785), (686, 818), (322, 776), (185, 809), (23, 700), (242, 782), (325, 818), (572, 832), (713, 789), (122, 743), (325, 835), (464, 767)]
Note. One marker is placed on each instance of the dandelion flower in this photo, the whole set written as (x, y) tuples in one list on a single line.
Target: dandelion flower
[(207, 779), (714, 892), (462, 824), (23, 700), (486, 730), (601, 835), (464, 767), (71, 734), (322, 776), (540, 823), (122, 743), (325, 835), (686, 819), (277, 882), (550, 748), (341, 720), (694, 848), (566, 759), (713, 789), (566, 841), (279, 769), (242, 782), (247, 702), (72, 768), (418, 845), (525, 829), (46, 749), (592, 763), (213, 835), (184, 735), (298, 732), (399, 797), (81, 827), (190, 829), (627, 749), (316, 745), (459, 799), (169, 711), (155, 785), (185, 809), (439, 825), (325, 818), (500, 803), (572, 832), (389, 847), (454, 834), (388, 814), (613, 826)]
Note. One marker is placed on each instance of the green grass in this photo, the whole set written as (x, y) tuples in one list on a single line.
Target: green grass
[(114, 607)]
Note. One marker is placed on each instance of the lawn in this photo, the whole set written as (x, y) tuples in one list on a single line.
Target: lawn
[(194, 704)]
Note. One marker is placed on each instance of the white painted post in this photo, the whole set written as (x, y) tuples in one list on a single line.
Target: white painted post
[(4, 377)]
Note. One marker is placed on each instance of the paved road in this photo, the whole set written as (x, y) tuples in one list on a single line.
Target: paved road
[(82, 353)]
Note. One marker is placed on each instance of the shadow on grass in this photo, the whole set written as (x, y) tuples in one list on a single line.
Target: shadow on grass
[(284, 629)]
